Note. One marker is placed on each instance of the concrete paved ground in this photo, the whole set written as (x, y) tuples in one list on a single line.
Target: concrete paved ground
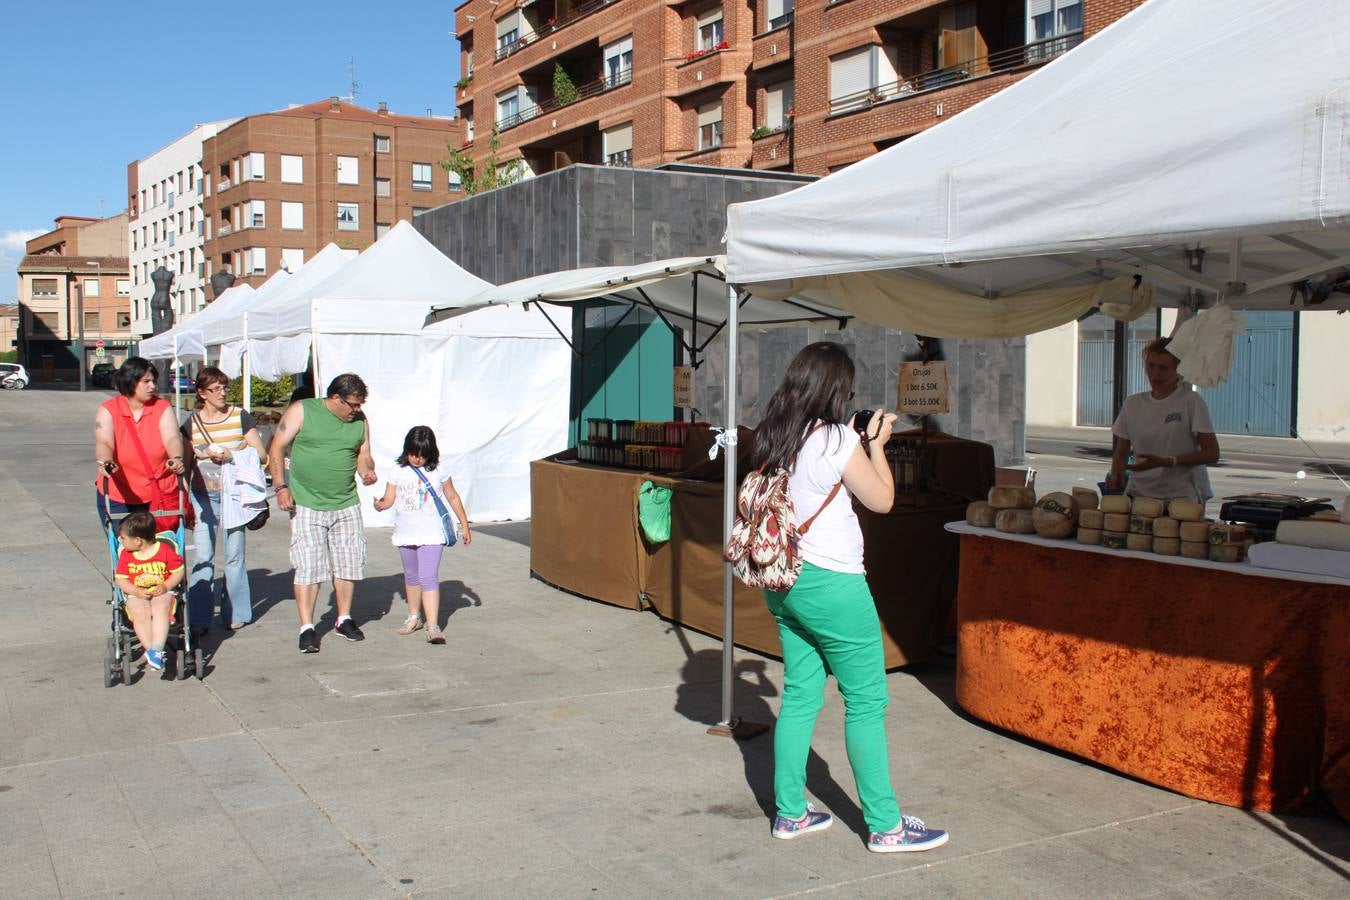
[(554, 747)]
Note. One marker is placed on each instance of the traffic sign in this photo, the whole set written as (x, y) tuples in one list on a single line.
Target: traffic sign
[(99, 353), (99, 344)]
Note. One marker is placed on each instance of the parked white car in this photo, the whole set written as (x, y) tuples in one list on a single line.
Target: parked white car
[(13, 377)]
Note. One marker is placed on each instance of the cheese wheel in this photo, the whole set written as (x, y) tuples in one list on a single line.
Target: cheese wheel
[(1186, 510), (1148, 506), (1005, 496), (1194, 531), (1139, 541), (1115, 503), (1227, 553), (1117, 522), (1015, 521), (1086, 497), (981, 514), (1091, 518), (1090, 536), (1141, 525), (1167, 546), (1114, 540), (1195, 549), (1055, 515), (1166, 527), (1319, 535), (1227, 534)]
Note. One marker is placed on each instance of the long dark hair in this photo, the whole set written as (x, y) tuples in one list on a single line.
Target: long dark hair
[(421, 441), (818, 385), (130, 373)]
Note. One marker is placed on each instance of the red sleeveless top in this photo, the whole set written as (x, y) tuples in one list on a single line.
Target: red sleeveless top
[(132, 483)]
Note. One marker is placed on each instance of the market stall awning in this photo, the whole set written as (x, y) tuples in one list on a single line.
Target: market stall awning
[(184, 340), (1217, 126)]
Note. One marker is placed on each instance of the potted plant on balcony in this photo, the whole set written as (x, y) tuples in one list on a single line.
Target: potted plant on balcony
[(761, 131), (564, 88), (464, 82)]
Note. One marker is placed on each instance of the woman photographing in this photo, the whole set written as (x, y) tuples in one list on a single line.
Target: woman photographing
[(828, 621)]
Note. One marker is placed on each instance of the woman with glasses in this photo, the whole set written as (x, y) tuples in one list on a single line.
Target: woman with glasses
[(217, 432)]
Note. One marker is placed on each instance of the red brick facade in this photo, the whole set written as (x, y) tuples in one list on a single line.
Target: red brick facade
[(936, 58), (394, 164)]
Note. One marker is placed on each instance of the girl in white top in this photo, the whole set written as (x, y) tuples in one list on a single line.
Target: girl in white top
[(1170, 433), (418, 531), (828, 621)]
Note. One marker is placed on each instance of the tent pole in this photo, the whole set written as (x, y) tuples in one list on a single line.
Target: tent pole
[(729, 725), (247, 370)]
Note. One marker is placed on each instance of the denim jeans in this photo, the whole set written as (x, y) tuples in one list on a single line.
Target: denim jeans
[(236, 606)]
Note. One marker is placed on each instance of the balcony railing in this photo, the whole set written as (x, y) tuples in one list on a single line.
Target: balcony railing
[(1002, 61), (590, 89), (223, 230), (623, 159), (779, 21), (552, 25), (223, 185)]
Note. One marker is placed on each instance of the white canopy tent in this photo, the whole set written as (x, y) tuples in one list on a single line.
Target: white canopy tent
[(493, 385), (1023, 212), (1218, 125)]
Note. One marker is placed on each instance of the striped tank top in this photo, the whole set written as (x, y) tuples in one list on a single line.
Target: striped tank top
[(228, 433)]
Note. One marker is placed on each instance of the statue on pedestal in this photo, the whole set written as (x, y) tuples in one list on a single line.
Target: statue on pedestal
[(161, 312), (221, 282)]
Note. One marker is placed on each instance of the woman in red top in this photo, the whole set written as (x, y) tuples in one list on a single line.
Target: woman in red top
[(137, 444)]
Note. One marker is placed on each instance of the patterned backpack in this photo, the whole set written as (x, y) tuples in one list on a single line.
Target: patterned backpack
[(763, 546)]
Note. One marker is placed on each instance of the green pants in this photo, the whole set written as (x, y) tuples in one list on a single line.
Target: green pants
[(828, 623)]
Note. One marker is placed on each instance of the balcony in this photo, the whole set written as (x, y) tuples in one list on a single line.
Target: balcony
[(1009, 60), (601, 85), (223, 230), (706, 68), (774, 46), (223, 185), (550, 26)]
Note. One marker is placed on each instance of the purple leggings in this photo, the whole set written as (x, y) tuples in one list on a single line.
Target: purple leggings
[(422, 566)]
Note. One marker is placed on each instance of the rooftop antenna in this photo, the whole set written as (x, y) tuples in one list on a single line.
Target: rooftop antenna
[(355, 85)]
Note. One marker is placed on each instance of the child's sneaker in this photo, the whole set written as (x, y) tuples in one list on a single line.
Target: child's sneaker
[(909, 837), (155, 659), (787, 829)]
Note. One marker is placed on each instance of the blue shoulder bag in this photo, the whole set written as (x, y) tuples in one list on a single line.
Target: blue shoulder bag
[(447, 520)]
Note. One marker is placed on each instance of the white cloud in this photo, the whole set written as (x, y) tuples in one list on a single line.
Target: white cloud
[(11, 251)]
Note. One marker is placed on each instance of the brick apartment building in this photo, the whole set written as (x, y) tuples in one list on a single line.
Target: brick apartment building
[(280, 186), (80, 264), (768, 84)]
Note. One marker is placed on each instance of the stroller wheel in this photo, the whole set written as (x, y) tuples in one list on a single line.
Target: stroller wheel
[(109, 665), (180, 664), (126, 666), (198, 664)]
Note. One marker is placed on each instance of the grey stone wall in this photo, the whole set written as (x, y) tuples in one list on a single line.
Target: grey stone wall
[(599, 216)]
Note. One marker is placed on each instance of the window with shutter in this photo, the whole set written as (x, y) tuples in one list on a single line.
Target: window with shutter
[(292, 215), (347, 170), (710, 30), (293, 169), (619, 145), (710, 126), (850, 79)]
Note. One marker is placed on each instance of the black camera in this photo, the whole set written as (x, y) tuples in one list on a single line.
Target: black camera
[(861, 419)]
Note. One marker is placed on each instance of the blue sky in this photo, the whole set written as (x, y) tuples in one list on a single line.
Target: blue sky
[(91, 86)]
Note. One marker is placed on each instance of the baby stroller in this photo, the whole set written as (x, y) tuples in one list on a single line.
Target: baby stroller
[(122, 641)]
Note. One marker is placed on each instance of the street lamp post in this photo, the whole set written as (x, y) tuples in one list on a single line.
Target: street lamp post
[(79, 311)]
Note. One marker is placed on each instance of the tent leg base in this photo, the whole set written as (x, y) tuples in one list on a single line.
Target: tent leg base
[(738, 729)]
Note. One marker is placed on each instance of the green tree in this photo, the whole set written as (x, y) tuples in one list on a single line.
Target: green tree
[(564, 90), (489, 174)]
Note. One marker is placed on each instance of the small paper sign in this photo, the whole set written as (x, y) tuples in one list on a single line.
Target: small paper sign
[(923, 389), (684, 387)]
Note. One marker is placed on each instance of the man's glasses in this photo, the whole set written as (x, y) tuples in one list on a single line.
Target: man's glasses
[(354, 407)]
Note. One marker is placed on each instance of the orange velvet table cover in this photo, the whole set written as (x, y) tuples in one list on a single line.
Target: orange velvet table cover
[(1223, 686)]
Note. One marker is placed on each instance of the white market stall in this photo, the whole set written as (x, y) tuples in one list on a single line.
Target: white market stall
[(492, 384)]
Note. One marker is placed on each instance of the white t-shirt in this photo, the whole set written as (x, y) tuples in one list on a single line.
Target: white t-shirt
[(416, 519), (1166, 427), (834, 540)]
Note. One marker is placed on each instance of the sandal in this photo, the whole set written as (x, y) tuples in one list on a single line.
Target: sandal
[(410, 624), (435, 635)]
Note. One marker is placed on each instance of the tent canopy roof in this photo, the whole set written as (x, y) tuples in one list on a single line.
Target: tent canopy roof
[(388, 289), (276, 290), (184, 340), (1222, 125)]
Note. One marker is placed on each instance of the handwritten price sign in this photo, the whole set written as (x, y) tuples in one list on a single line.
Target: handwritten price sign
[(923, 389), (684, 387)]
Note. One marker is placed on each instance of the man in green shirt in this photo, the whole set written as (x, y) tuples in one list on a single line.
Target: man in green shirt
[(329, 443)]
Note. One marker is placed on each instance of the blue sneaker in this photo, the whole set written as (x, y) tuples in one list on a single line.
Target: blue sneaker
[(787, 829), (911, 836), (155, 659)]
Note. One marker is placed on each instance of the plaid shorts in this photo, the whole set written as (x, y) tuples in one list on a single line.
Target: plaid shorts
[(327, 544)]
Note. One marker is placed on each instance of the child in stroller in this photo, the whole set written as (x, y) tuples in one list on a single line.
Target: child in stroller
[(148, 572)]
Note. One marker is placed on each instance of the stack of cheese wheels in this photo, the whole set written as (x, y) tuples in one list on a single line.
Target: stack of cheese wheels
[(1228, 543), (1192, 528), (1055, 515), (1143, 510), (1086, 497), (1013, 507), (1166, 536), (1115, 520), (1090, 524), (980, 513)]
